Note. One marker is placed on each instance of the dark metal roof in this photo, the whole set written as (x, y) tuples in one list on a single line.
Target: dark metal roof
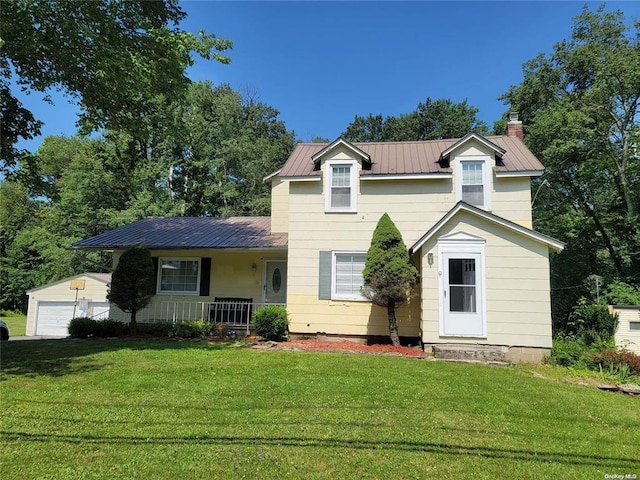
[(190, 232)]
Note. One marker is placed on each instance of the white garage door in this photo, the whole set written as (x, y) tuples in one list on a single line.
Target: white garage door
[(53, 318)]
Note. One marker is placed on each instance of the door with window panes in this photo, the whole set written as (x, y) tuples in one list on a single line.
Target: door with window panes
[(462, 295)]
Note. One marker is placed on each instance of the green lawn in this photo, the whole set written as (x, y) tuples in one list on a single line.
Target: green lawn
[(17, 324), (81, 409)]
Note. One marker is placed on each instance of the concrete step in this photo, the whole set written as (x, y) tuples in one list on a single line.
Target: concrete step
[(483, 353)]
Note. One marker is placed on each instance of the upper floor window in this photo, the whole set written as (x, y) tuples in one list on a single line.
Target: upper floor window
[(473, 185), (340, 195), (179, 276)]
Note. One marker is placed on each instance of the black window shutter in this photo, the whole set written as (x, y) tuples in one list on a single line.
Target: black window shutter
[(205, 276), (324, 280), (155, 274)]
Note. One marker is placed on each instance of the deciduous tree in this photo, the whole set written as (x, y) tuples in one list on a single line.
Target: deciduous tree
[(432, 119), (580, 109), (116, 58)]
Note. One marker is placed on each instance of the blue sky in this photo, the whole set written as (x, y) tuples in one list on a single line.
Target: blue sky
[(321, 63)]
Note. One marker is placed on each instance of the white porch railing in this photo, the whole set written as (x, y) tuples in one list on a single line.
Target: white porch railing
[(236, 314)]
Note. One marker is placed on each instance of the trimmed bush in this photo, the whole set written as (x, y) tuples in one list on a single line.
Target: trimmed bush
[(270, 322), (192, 329), (110, 328), (157, 329), (82, 327)]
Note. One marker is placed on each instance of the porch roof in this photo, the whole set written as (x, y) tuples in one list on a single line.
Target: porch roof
[(190, 232)]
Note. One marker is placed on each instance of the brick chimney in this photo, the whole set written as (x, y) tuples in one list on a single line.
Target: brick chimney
[(514, 126)]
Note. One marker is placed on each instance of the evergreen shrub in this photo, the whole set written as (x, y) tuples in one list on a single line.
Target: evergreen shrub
[(192, 329), (271, 323), (82, 327)]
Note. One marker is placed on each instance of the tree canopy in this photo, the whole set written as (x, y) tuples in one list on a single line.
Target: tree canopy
[(432, 119), (388, 275), (207, 157), (579, 106), (117, 58)]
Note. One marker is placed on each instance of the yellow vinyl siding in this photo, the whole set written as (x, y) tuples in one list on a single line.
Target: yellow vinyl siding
[(516, 286), (415, 206), (231, 276), (279, 205), (512, 199)]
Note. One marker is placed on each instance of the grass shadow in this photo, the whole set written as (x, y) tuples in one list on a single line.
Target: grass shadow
[(508, 454), (69, 356)]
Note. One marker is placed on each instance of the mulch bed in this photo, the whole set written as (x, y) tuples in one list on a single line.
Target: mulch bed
[(313, 345)]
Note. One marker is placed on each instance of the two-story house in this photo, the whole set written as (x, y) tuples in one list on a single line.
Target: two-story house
[(463, 207)]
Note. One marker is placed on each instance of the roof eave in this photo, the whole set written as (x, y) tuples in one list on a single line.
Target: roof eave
[(556, 245), (521, 173), (341, 141), (475, 136)]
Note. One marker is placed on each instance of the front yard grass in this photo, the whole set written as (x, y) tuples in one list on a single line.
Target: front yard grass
[(17, 324), (121, 409)]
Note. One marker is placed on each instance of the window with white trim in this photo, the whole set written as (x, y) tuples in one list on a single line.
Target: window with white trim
[(472, 179), (347, 275), (179, 276), (340, 193), (472, 183)]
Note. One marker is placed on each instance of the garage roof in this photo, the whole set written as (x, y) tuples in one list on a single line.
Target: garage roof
[(100, 277)]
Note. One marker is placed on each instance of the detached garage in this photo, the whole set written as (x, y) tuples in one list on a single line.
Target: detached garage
[(52, 306)]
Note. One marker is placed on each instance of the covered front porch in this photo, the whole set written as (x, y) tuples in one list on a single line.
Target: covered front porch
[(213, 269), (215, 285)]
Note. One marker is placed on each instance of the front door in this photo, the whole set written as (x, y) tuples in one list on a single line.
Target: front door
[(462, 292), (275, 281)]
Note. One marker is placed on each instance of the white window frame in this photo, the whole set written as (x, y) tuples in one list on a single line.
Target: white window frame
[(329, 180), (486, 178), (334, 273), (159, 289)]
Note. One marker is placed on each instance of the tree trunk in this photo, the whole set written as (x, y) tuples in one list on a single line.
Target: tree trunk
[(132, 324), (393, 324)]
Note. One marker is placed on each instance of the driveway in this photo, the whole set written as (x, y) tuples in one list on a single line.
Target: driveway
[(37, 337)]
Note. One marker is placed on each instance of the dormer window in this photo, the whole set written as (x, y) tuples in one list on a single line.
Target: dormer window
[(340, 183), (473, 182)]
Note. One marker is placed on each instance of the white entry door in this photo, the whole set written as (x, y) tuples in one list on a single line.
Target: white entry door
[(275, 281), (462, 295)]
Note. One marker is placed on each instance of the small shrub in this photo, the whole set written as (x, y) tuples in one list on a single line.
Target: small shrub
[(270, 322), (110, 328), (618, 361), (592, 316), (567, 352), (82, 327), (192, 329), (157, 329)]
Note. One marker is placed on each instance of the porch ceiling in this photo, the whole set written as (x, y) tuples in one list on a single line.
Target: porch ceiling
[(190, 232)]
